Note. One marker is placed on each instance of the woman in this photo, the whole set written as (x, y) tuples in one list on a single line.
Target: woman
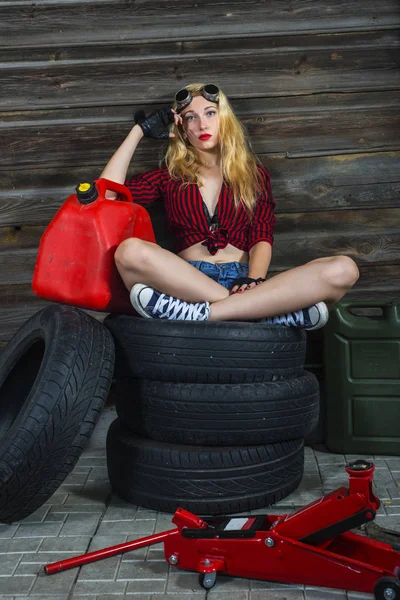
[(219, 205)]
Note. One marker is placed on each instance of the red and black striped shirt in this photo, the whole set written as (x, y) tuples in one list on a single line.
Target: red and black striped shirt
[(188, 216)]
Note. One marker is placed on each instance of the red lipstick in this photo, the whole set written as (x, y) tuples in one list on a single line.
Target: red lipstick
[(205, 136)]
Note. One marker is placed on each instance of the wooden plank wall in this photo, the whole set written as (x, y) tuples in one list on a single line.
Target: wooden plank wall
[(316, 83)]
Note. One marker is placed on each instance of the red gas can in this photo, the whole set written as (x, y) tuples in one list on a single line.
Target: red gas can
[(75, 262)]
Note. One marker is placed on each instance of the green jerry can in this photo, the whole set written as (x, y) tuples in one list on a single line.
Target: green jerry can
[(362, 378)]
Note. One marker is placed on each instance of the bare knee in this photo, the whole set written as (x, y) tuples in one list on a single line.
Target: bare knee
[(342, 272), (134, 254)]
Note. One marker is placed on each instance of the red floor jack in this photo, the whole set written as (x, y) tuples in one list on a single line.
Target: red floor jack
[(311, 546)]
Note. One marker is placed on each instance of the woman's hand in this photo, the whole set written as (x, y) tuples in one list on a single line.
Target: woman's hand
[(245, 283), (178, 121), (156, 125)]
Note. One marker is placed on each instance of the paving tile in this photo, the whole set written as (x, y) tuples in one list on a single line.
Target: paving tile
[(154, 569), (262, 584), (309, 482), (366, 456), (57, 498), (65, 509), (84, 524), (98, 472), (149, 514), (31, 568), (320, 593), (82, 470), (184, 582), (393, 510), (128, 527), (16, 585), (393, 462), (98, 542), (105, 569), (200, 596), (8, 564), (27, 530), (38, 516), (19, 546), (71, 487), (279, 595), (56, 517), (7, 531), (65, 544), (51, 597), (92, 461), (75, 478), (140, 586), (127, 512), (60, 583), (329, 458), (216, 594), (39, 559), (391, 522), (100, 587), (113, 597), (225, 584)]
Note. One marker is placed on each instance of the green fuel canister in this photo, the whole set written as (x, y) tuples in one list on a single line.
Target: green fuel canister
[(362, 378)]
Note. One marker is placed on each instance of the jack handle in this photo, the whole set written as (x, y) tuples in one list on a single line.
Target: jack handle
[(84, 559)]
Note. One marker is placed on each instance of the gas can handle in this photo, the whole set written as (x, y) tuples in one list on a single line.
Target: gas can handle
[(391, 312), (104, 185)]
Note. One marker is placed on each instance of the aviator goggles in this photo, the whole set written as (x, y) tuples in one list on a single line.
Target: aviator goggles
[(183, 98)]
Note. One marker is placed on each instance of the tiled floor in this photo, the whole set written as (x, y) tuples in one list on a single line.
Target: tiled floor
[(83, 515)]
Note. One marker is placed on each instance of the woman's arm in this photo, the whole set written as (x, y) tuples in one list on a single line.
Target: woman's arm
[(260, 258), (117, 166)]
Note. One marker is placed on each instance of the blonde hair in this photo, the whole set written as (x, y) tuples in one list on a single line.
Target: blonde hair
[(239, 166)]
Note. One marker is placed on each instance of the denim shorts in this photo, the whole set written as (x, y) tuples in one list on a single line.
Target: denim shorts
[(224, 273)]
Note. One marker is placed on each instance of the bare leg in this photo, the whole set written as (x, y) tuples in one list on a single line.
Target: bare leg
[(324, 279), (144, 262)]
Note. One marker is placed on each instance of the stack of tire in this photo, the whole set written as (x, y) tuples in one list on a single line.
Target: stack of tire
[(211, 415)]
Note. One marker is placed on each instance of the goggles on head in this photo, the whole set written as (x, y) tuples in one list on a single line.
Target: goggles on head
[(183, 98)]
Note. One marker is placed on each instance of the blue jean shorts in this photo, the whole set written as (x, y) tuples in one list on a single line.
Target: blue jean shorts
[(223, 273)]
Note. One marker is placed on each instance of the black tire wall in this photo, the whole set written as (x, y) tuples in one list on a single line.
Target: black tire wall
[(204, 480), (55, 376), (219, 414), (206, 352)]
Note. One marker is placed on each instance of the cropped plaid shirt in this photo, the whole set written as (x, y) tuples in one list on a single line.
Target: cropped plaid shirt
[(188, 217)]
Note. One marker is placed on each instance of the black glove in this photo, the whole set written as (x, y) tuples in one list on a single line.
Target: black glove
[(156, 124), (246, 281)]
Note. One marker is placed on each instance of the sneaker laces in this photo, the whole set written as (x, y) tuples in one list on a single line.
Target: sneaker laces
[(293, 318), (179, 309)]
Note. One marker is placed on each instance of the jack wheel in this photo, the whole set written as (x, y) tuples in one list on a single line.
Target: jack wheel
[(207, 580), (387, 588)]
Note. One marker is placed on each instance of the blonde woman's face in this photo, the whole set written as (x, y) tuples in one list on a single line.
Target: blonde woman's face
[(198, 119)]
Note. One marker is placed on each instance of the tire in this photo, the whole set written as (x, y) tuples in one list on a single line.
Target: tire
[(219, 414), (206, 352), (204, 480), (55, 375)]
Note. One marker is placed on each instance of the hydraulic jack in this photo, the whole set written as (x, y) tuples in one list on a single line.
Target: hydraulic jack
[(312, 546)]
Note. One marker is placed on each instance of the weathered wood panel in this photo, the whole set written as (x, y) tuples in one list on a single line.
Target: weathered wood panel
[(267, 67), (361, 123), (24, 23), (338, 182)]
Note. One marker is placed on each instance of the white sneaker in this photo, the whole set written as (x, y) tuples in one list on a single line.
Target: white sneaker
[(152, 304), (313, 317)]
